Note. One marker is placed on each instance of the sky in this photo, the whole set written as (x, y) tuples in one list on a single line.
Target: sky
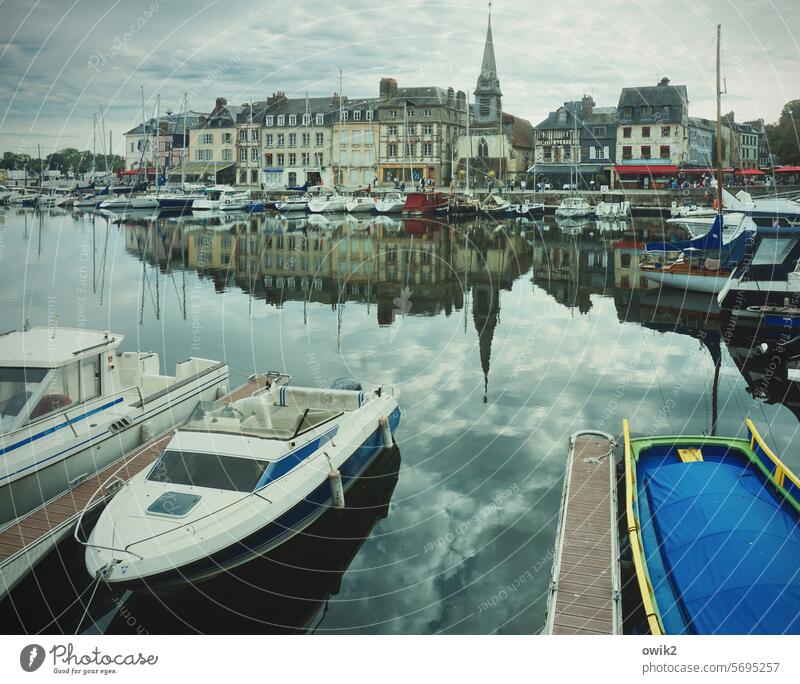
[(63, 61)]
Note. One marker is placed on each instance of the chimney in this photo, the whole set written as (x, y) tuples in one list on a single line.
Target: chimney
[(218, 105), (388, 88), (451, 97), (664, 81), (335, 101), (587, 106), (461, 101), (276, 97)]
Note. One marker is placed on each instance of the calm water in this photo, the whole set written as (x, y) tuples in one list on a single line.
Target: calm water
[(501, 339)]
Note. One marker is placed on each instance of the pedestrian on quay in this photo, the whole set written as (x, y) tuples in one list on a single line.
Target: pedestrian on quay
[(522, 185)]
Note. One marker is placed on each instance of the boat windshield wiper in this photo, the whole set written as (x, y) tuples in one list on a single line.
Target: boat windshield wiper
[(300, 424)]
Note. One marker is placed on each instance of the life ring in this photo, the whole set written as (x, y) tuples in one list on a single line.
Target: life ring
[(227, 201)]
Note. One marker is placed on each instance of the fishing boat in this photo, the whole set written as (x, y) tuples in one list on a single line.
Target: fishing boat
[(423, 203), (494, 205), (239, 479), (574, 207), (360, 204), (390, 203), (72, 404), (330, 203), (765, 285), (714, 528), (287, 205)]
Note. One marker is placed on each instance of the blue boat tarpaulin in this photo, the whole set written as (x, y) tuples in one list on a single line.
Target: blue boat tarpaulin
[(724, 552), (711, 240)]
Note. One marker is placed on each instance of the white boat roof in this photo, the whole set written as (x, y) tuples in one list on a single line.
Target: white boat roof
[(43, 347)]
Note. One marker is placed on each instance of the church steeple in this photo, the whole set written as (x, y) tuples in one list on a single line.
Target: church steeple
[(487, 91)]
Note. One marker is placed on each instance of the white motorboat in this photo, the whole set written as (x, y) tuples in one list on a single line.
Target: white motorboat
[(612, 205), (391, 203), (122, 202), (87, 202), (574, 207), (237, 480), (292, 204), (71, 404), (5, 194), (211, 198), (327, 204), (360, 204), (235, 201), (700, 224)]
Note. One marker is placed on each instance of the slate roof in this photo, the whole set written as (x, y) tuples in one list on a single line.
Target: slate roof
[(661, 95), (174, 124), (417, 96)]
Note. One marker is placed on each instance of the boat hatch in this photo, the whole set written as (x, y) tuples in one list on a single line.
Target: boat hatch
[(174, 504), (211, 471)]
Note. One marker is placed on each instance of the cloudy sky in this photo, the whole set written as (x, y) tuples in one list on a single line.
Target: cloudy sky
[(62, 61)]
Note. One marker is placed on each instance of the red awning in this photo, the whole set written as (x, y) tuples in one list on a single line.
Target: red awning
[(750, 172), (136, 172), (788, 169), (660, 170)]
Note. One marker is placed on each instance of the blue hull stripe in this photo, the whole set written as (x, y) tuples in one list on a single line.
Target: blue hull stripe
[(58, 427), (290, 523)]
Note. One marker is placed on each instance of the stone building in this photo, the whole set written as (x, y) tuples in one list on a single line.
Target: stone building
[(212, 145), (355, 142)]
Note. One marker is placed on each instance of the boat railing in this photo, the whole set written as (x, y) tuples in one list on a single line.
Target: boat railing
[(634, 534), (779, 471)]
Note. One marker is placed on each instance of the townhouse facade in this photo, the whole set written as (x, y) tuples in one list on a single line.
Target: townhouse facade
[(702, 139), (212, 145), (418, 128), (355, 135), (653, 125), (170, 134)]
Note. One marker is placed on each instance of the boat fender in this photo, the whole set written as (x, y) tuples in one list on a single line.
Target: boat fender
[(147, 432), (386, 433), (337, 490)]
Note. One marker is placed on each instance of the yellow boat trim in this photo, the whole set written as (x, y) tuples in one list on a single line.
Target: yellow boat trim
[(690, 455), (781, 470), (637, 550)]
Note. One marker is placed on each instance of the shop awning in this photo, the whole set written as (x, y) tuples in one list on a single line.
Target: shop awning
[(704, 169), (788, 169), (642, 170), (750, 172)]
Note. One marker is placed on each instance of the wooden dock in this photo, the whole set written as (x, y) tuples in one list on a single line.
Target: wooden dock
[(26, 541), (585, 586)]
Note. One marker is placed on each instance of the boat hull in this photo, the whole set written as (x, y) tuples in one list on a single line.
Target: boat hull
[(712, 284), (63, 463)]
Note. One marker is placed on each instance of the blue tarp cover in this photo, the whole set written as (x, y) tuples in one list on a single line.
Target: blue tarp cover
[(723, 552)]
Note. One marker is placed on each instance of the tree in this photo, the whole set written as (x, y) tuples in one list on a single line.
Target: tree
[(783, 137)]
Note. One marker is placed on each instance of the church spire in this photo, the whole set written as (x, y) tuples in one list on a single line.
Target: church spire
[(487, 90)]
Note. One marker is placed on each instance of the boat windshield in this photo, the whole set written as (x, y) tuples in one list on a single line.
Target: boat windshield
[(773, 251), (17, 386), (212, 471)]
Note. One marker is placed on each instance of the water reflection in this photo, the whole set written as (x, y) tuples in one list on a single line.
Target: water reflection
[(502, 338)]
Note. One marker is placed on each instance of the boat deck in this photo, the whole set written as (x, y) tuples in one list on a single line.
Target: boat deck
[(585, 592), (24, 542)]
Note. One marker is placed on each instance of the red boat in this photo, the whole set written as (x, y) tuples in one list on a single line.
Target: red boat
[(419, 203)]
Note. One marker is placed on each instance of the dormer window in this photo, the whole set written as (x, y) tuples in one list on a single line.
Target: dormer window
[(344, 115), (292, 120), (357, 115), (270, 120), (281, 120), (369, 115), (319, 120), (306, 119)]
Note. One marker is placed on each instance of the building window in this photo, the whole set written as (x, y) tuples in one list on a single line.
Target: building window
[(305, 158), (393, 114), (665, 151), (392, 149), (357, 115), (270, 120), (268, 140), (207, 138), (279, 157), (645, 151), (645, 111), (665, 111), (665, 131), (227, 154), (254, 154), (409, 150), (292, 183), (292, 139), (268, 158), (292, 120), (292, 159), (318, 159), (369, 115), (306, 119), (410, 113), (254, 135), (281, 120), (133, 145), (427, 129), (548, 153), (483, 148), (319, 139), (306, 139), (253, 177), (242, 154), (626, 152), (598, 131), (645, 131), (242, 135), (280, 140), (411, 129), (392, 129), (627, 112), (427, 112), (227, 138), (203, 155), (484, 106), (318, 119), (626, 132), (344, 115), (427, 150)]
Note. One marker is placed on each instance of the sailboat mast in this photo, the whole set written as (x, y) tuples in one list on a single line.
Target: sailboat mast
[(719, 126), (183, 153), (158, 140), (469, 142), (94, 143)]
